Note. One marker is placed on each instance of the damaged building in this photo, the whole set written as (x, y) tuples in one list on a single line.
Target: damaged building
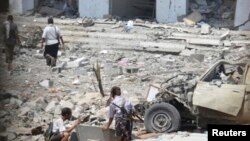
[(218, 13), (162, 53)]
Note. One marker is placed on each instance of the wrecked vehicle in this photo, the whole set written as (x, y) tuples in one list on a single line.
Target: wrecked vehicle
[(221, 95)]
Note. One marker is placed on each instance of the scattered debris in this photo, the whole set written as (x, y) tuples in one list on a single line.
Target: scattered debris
[(151, 53)]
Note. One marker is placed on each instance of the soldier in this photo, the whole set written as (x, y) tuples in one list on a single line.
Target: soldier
[(123, 122), (10, 39)]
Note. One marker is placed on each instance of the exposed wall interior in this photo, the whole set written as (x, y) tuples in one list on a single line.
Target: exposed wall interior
[(20, 6), (242, 14), (93, 8), (27, 5), (168, 11), (15, 6), (133, 8)]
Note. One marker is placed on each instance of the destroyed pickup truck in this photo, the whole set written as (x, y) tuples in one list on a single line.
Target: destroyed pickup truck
[(220, 96)]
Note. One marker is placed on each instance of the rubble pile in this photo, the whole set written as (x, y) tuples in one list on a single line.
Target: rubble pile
[(57, 8), (218, 13), (34, 93)]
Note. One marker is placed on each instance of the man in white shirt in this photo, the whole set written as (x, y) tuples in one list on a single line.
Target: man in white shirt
[(60, 131), (51, 36), (123, 120)]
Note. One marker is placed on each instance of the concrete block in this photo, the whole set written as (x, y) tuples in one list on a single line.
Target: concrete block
[(46, 83), (205, 28), (193, 18)]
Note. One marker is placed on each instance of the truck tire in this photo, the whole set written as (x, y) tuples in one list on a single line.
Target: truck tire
[(162, 117)]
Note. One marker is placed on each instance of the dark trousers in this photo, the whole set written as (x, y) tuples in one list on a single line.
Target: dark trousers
[(50, 53), (9, 53)]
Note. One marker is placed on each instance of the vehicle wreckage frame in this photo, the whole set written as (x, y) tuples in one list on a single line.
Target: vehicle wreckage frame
[(185, 98)]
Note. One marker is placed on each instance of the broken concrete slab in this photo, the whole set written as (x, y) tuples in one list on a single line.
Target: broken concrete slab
[(211, 42), (93, 133), (77, 63), (228, 43), (161, 46)]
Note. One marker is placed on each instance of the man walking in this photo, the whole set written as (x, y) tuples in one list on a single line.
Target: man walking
[(51, 36), (10, 39)]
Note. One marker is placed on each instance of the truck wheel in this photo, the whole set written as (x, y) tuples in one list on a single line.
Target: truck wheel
[(162, 117)]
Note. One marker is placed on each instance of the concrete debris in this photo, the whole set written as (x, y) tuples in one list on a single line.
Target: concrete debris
[(87, 22), (76, 81), (77, 63), (129, 26), (51, 106), (64, 103), (46, 83), (187, 52), (193, 18), (205, 29), (198, 57), (24, 111)]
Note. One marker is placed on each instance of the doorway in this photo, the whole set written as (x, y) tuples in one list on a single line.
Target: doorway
[(144, 9)]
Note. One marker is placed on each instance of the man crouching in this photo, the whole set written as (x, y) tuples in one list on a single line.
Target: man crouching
[(60, 131)]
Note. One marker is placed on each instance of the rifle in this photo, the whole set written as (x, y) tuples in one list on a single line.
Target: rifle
[(123, 110)]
